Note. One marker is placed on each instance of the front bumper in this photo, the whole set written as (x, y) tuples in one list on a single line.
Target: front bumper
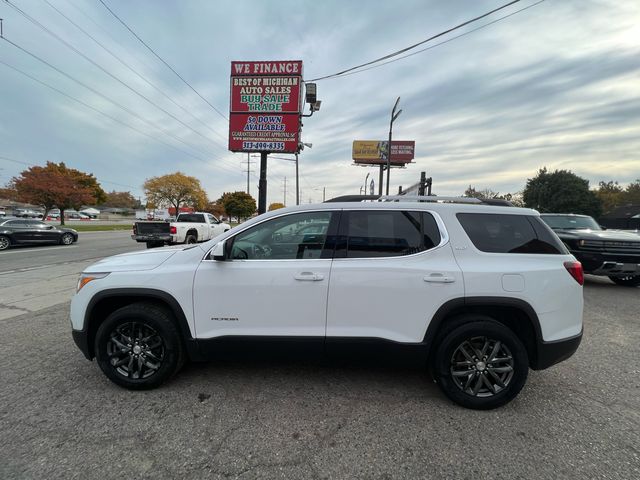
[(81, 339), (550, 353), (613, 264)]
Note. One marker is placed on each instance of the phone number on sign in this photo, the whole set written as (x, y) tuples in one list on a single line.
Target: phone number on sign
[(271, 146)]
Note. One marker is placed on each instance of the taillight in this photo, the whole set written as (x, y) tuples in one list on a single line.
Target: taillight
[(173, 230), (575, 269)]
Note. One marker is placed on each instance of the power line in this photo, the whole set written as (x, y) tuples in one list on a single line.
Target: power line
[(79, 82), (139, 75), (445, 41), (411, 47), (121, 122), (161, 59), (74, 49)]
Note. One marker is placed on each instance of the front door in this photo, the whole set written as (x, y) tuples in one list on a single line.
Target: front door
[(273, 282)]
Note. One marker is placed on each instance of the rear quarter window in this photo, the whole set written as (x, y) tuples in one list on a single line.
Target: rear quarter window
[(497, 233)]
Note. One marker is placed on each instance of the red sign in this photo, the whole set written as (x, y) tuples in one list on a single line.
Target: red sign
[(293, 67), (249, 132), (265, 106), (265, 94)]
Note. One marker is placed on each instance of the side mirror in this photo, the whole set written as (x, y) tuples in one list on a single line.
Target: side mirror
[(49, 227), (219, 251), (603, 227)]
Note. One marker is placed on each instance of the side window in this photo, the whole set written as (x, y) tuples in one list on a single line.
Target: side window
[(296, 236), (496, 233), (212, 219), (389, 233)]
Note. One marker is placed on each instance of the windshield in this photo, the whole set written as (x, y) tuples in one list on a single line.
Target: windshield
[(570, 222)]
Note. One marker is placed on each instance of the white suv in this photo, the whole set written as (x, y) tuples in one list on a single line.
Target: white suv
[(479, 294)]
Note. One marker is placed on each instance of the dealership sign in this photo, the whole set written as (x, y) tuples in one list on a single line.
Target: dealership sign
[(374, 152), (266, 104)]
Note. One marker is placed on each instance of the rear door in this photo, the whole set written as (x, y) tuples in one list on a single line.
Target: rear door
[(392, 270)]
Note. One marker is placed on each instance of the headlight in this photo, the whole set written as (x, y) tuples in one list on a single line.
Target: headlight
[(89, 277)]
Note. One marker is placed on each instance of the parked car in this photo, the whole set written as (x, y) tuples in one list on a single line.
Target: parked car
[(478, 293), (186, 228), (76, 216), (612, 253), (28, 213), (19, 231)]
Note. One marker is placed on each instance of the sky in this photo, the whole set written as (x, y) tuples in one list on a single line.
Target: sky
[(555, 85)]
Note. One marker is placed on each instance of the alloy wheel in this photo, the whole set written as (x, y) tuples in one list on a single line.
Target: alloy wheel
[(482, 366), (4, 243), (67, 239), (135, 350)]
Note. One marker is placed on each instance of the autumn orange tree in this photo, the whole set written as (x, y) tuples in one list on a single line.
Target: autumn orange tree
[(176, 189), (56, 185), (121, 200), (275, 206)]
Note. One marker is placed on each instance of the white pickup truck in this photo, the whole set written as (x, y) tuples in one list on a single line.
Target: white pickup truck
[(187, 228)]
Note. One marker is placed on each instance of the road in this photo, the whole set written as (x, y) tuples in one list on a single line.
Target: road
[(61, 418), (33, 278)]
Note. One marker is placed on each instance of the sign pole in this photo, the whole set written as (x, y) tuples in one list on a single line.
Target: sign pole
[(262, 184), (380, 179)]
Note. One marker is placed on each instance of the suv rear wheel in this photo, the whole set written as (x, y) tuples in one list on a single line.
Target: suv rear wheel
[(481, 364), (138, 346)]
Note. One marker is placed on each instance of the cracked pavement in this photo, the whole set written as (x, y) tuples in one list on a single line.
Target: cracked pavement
[(61, 418)]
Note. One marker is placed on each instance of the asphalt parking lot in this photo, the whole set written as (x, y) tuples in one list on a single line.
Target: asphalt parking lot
[(61, 418)]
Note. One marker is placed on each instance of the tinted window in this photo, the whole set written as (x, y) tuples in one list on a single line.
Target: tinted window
[(296, 236), (496, 233), (191, 218), (388, 233), (212, 219), (570, 222)]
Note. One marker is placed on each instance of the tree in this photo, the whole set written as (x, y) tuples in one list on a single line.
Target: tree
[(215, 209), (176, 189), (632, 193), (485, 193), (610, 194), (56, 185), (276, 206), (561, 191), (238, 204), (8, 193), (121, 200)]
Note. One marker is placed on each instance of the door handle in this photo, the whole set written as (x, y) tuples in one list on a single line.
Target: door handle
[(439, 278), (309, 276)]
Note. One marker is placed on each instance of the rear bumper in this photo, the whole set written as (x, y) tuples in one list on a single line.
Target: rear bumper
[(81, 339), (550, 353), (152, 238)]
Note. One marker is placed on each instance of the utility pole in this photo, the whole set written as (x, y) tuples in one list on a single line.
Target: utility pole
[(1, 31), (297, 182), (285, 192), (262, 184), (324, 191), (248, 171), (394, 115)]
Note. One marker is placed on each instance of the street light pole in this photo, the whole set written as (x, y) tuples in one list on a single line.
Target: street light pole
[(365, 183), (394, 115)]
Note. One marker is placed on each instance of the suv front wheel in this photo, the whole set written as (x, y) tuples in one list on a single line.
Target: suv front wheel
[(481, 364), (138, 346)]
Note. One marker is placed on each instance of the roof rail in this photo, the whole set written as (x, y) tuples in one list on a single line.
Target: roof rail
[(421, 198)]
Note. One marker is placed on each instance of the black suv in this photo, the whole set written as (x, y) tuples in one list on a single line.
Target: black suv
[(613, 253)]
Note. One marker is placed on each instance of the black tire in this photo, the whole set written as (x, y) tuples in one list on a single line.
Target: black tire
[(159, 350), (190, 239), (460, 387), (628, 281), (66, 239), (5, 242)]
